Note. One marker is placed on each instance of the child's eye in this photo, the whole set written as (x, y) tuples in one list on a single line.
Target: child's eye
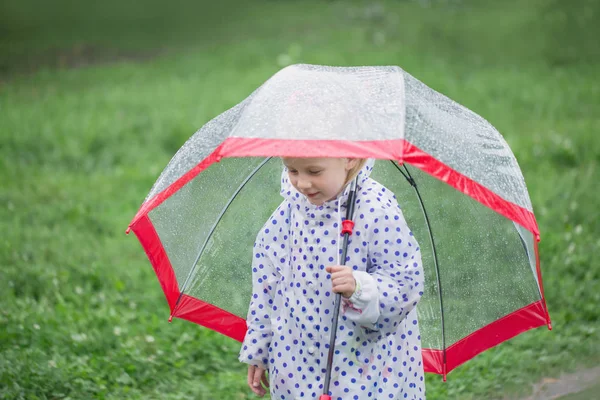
[(291, 171), (314, 172)]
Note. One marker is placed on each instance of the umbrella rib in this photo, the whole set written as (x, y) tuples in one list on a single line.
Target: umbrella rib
[(239, 189), (412, 182), (529, 261)]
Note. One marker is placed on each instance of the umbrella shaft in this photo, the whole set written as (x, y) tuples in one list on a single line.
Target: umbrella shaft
[(334, 325), (338, 296)]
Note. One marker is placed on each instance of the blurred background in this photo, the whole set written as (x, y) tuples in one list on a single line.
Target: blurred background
[(96, 97)]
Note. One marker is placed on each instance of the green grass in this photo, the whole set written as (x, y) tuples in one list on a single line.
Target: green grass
[(82, 313)]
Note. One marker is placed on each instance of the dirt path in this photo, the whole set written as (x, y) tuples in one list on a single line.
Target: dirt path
[(550, 388)]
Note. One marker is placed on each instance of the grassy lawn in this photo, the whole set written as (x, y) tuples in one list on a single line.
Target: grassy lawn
[(94, 101)]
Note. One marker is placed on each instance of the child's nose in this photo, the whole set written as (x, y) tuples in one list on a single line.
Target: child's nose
[(303, 183)]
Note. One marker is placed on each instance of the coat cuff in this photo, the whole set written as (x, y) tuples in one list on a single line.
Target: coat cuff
[(366, 289), (256, 359)]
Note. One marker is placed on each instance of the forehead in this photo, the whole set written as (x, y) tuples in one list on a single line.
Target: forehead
[(301, 163)]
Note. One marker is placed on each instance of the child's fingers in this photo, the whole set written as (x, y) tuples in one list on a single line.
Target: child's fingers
[(250, 375), (334, 268), (342, 288), (256, 378), (253, 372), (258, 372), (265, 380), (342, 279), (343, 283), (346, 274)]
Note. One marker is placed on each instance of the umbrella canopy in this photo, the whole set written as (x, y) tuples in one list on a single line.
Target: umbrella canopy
[(455, 177)]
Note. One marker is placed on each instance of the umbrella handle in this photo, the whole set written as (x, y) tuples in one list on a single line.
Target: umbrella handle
[(325, 397)]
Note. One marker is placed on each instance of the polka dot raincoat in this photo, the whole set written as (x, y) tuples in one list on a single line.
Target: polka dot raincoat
[(378, 346)]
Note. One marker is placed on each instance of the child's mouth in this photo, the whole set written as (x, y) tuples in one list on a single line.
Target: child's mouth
[(311, 195)]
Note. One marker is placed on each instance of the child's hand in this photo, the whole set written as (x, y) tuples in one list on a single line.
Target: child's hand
[(342, 280), (256, 375)]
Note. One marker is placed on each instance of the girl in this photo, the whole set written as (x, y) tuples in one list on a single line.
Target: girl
[(297, 271)]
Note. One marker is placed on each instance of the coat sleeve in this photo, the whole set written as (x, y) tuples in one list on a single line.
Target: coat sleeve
[(392, 285), (258, 336)]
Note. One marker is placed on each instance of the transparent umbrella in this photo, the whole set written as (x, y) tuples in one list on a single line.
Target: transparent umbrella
[(455, 177)]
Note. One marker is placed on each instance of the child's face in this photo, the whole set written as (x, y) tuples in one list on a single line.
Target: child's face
[(319, 179)]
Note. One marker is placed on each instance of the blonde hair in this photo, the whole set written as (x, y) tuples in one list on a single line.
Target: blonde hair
[(355, 170)]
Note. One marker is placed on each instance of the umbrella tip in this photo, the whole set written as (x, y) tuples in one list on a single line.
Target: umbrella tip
[(170, 318), (128, 230), (444, 372)]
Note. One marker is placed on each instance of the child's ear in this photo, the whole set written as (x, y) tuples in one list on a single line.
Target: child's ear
[(351, 163)]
